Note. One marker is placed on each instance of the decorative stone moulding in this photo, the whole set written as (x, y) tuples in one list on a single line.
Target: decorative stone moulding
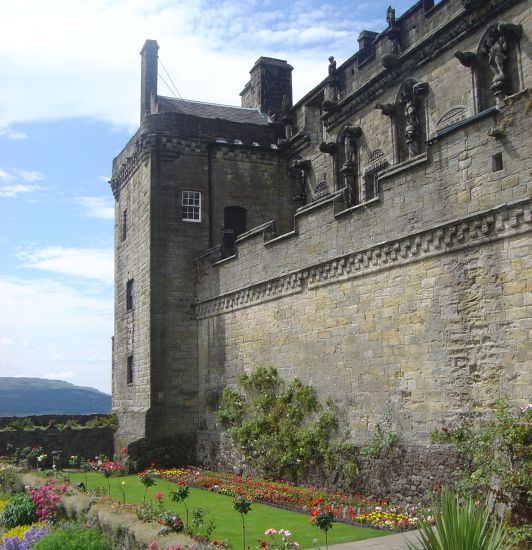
[(497, 223)]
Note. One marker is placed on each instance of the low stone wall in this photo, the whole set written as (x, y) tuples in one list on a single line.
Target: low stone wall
[(403, 473), (46, 419), (83, 442)]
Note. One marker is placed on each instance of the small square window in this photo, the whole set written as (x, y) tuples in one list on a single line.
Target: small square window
[(129, 373), (130, 295), (124, 224), (191, 206), (496, 162)]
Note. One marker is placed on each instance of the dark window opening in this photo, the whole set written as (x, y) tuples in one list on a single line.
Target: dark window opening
[(496, 162), (234, 225), (371, 185), (129, 373), (124, 224), (130, 298)]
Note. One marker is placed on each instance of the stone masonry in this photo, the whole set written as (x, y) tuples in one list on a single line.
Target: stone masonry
[(381, 251)]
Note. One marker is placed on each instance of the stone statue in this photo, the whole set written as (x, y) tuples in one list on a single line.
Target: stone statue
[(332, 66), (411, 99), (298, 171), (393, 32), (350, 146), (497, 56), (390, 17)]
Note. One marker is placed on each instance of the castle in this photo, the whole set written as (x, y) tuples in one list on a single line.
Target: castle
[(372, 239)]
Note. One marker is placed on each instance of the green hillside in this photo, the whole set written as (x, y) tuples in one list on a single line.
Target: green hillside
[(34, 396)]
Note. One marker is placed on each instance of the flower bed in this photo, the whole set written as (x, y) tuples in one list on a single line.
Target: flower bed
[(355, 508)]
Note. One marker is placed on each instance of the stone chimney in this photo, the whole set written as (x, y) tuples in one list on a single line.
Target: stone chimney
[(148, 76), (270, 80), (366, 39)]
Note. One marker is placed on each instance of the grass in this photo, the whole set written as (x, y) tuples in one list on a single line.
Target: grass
[(228, 521)]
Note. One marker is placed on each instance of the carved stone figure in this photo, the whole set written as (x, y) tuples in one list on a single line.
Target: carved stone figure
[(393, 33), (390, 17), (298, 171), (332, 66), (411, 100), (350, 137), (497, 56), (286, 118)]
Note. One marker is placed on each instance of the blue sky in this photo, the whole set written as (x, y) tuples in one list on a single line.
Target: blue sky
[(69, 101)]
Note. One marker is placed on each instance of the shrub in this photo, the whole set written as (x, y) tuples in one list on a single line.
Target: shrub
[(279, 430), (497, 458), (10, 481), (74, 539), (460, 525), (20, 510), (47, 501)]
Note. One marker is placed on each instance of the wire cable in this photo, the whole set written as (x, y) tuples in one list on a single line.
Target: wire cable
[(168, 75)]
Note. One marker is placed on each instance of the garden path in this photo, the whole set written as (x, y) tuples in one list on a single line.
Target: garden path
[(391, 542)]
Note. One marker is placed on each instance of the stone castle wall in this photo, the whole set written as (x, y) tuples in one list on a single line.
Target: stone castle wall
[(408, 299), (414, 305)]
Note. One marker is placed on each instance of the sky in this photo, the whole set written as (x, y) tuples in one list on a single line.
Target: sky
[(70, 100)]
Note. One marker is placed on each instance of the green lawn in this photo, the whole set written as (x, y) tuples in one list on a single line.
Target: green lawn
[(228, 522)]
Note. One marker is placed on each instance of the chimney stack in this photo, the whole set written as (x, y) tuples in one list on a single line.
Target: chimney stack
[(148, 76)]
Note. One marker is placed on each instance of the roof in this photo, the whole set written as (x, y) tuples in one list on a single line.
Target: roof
[(212, 110)]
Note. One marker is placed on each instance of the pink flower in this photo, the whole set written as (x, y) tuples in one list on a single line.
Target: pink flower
[(270, 532), (153, 546), (158, 495)]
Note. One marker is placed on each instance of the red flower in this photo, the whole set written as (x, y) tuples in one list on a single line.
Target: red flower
[(123, 450)]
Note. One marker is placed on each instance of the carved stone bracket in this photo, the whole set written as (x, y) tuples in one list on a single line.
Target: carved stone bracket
[(467, 59), (386, 109), (329, 148)]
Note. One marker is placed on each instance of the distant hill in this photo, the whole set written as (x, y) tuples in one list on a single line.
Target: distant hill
[(33, 396)]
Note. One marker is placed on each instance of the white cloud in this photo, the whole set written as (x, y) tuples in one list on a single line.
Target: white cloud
[(208, 47), (13, 134), (87, 263), (98, 207), (60, 319), (12, 190), (4, 342), (30, 175)]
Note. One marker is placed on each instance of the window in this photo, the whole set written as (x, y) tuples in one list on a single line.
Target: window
[(496, 162), (130, 298), (124, 224), (129, 373), (191, 201)]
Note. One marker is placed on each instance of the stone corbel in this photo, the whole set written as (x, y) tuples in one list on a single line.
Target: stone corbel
[(386, 109), (467, 59), (329, 148)]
